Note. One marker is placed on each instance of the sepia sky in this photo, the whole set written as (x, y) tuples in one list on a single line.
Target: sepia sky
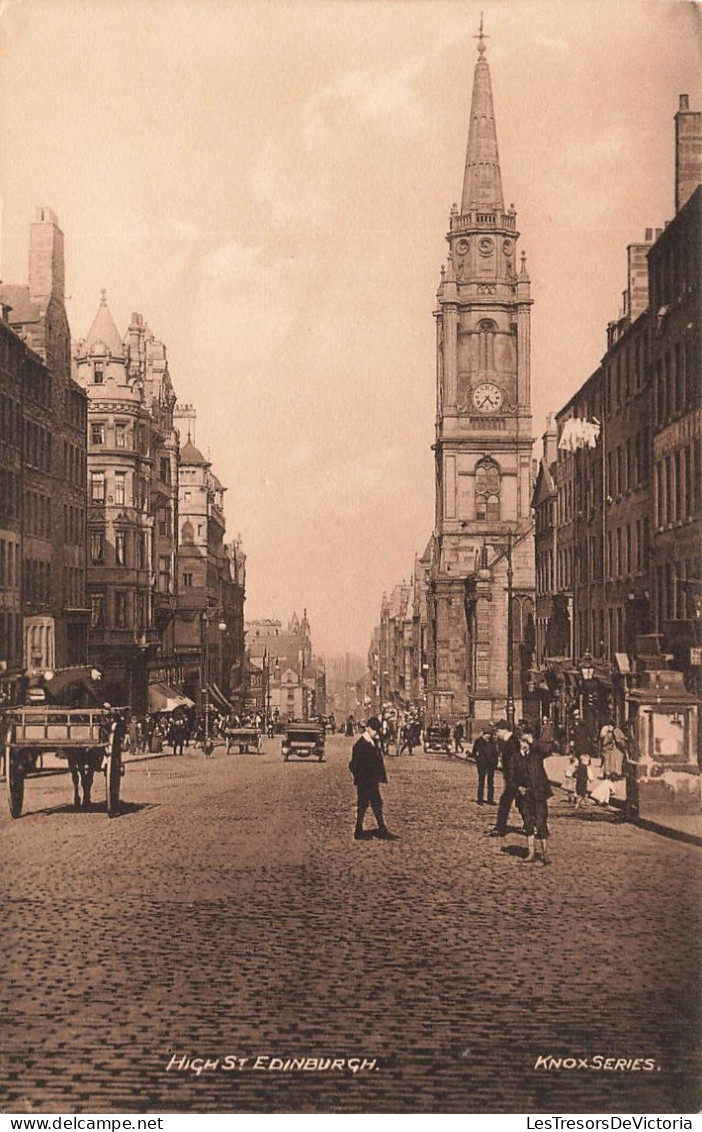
[(269, 184)]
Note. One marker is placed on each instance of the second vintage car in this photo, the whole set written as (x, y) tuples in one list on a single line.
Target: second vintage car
[(304, 741)]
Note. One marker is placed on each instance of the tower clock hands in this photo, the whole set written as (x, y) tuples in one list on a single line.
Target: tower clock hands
[(487, 398)]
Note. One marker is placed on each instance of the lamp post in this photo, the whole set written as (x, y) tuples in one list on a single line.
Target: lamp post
[(510, 633), (266, 687), (222, 629), (207, 618), (506, 549), (587, 671)]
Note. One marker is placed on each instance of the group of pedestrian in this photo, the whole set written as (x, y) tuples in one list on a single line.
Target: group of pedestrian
[(525, 782), (580, 778)]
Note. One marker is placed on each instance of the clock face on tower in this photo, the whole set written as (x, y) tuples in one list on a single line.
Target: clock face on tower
[(487, 397)]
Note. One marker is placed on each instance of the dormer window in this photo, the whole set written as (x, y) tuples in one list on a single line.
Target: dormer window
[(98, 373)]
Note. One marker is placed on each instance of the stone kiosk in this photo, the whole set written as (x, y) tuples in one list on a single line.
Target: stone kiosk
[(663, 772)]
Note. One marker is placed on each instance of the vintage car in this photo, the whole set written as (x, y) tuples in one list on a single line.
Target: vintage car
[(437, 739), (303, 740), (245, 738)]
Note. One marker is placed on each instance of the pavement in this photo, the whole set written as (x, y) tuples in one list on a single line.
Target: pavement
[(163, 960), (681, 827)]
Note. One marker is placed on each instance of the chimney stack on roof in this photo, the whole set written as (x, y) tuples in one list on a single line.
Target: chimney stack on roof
[(46, 260), (688, 151)]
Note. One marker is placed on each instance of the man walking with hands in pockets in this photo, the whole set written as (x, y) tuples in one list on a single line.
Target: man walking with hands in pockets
[(368, 770)]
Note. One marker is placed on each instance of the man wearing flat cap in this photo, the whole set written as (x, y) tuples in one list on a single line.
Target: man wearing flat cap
[(510, 753), (368, 770), (485, 755)]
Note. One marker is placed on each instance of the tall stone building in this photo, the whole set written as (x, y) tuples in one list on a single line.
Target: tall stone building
[(132, 498), (618, 509), (482, 531), (209, 626), (43, 604), (292, 680), (675, 269)]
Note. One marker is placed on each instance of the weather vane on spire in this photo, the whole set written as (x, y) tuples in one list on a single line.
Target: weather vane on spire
[(481, 37)]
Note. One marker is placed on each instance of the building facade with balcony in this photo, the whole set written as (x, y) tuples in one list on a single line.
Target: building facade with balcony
[(43, 599)]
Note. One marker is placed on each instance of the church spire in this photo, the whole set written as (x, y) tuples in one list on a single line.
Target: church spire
[(482, 183)]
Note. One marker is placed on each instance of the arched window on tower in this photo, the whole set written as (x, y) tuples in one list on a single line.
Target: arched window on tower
[(486, 358), (487, 490)]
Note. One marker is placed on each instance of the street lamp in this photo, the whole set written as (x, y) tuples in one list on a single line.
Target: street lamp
[(510, 633), (587, 671), (507, 549), (207, 619)]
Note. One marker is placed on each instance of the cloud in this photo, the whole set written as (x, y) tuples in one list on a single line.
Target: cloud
[(182, 228), (391, 100), (231, 261), (604, 149), (383, 96), (552, 43)]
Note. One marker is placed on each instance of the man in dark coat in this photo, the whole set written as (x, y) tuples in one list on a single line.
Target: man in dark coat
[(582, 740), (510, 753), (77, 687), (368, 770), (485, 755), (533, 792)]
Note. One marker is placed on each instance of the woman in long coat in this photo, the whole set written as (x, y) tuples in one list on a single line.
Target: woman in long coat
[(533, 792)]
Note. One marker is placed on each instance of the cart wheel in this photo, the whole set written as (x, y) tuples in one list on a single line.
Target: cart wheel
[(113, 775), (14, 780)]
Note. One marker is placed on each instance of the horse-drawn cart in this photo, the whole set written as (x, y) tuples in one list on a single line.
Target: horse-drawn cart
[(90, 739), (245, 738)]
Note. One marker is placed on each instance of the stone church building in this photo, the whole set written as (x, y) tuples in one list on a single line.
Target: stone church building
[(482, 549)]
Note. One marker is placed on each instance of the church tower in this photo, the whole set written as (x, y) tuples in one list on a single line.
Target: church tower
[(483, 526)]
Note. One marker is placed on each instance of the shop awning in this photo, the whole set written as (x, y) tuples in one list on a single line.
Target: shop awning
[(218, 698), (162, 697), (537, 676)]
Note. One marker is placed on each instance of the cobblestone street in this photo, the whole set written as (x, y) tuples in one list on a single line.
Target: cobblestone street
[(228, 912)]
